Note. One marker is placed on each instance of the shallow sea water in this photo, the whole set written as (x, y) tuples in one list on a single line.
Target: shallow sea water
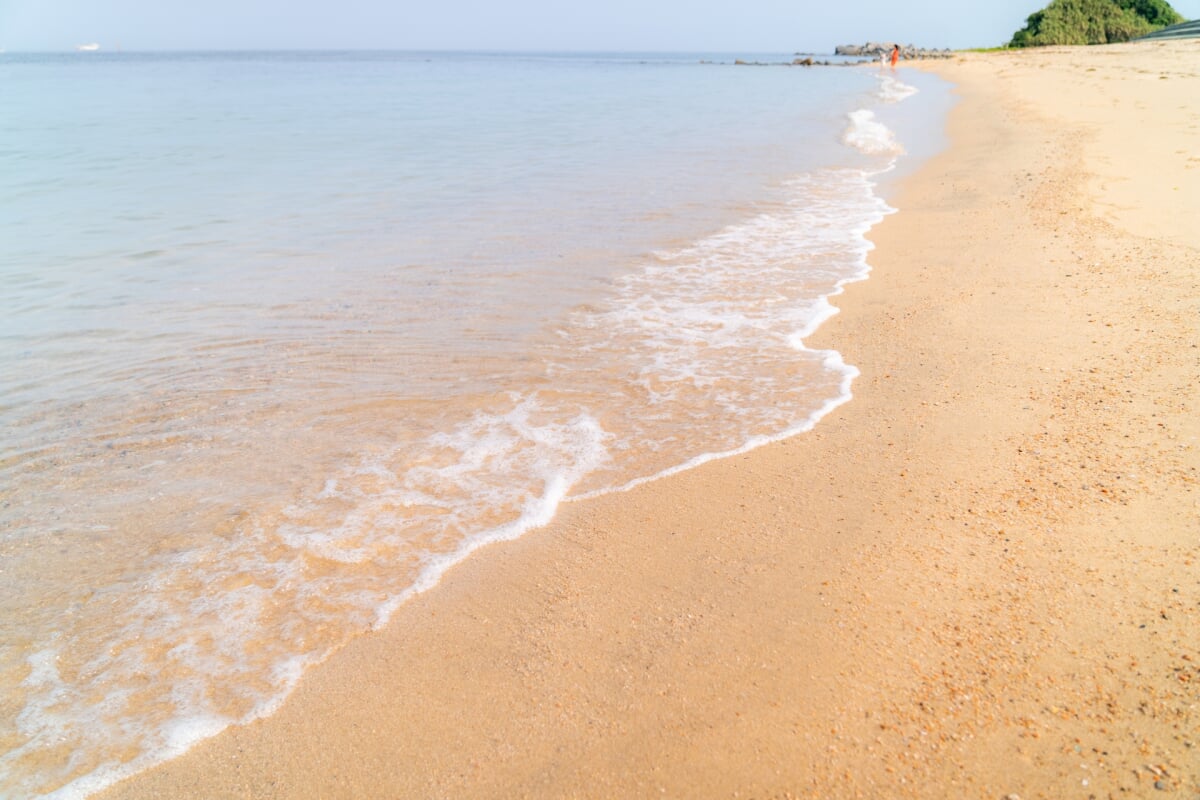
[(283, 336)]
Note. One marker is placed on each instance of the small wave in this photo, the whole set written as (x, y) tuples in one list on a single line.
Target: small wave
[(741, 303), (893, 90), (870, 136), (866, 133)]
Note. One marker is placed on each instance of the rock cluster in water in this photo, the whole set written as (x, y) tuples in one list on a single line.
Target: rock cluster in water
[(798, 62), (871, 51), (877, 49)]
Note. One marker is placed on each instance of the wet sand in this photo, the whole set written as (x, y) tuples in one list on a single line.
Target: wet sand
[(989, 585)]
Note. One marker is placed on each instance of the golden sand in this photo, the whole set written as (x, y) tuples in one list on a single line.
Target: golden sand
[(990, 585)]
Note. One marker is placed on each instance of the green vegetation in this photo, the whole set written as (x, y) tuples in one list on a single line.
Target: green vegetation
[(1094, 22)]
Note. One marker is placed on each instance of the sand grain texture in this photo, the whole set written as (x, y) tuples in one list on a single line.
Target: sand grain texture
[(988, 584)]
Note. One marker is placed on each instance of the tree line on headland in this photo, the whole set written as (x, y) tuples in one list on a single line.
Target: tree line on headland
[(1064, 22), (1094, 22)]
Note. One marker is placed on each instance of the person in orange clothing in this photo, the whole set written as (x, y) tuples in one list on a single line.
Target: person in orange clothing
[(895, 55)]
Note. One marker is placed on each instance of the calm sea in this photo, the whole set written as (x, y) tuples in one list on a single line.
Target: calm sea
[(283, 336)]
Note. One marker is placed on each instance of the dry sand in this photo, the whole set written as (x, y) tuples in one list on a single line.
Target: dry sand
[(989, 585)]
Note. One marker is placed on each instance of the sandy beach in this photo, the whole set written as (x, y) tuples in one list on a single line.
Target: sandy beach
[(991, 587)]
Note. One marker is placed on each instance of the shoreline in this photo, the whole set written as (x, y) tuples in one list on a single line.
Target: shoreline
[(950, 606)]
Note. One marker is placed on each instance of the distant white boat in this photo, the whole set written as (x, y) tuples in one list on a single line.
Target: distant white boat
[(87, 48)]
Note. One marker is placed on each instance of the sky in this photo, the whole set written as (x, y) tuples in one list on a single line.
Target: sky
[(728, 26)]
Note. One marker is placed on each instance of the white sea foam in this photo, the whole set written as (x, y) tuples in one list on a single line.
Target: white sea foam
[(866, 133), (749, 272), (893, 90), (869, 135)]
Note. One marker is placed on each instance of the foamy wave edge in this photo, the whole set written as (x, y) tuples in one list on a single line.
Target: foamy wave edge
[(832, 360), (867, 134)]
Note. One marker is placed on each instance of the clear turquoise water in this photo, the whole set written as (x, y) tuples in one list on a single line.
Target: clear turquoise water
[(284, 335)]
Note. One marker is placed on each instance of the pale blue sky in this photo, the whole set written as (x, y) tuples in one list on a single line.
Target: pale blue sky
[(679, 25)]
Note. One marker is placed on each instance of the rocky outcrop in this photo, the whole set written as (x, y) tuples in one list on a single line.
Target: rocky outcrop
[(797, 62), (877, 49), (871, 51)]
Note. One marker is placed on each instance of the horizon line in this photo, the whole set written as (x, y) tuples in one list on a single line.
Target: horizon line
[(117, 49)]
